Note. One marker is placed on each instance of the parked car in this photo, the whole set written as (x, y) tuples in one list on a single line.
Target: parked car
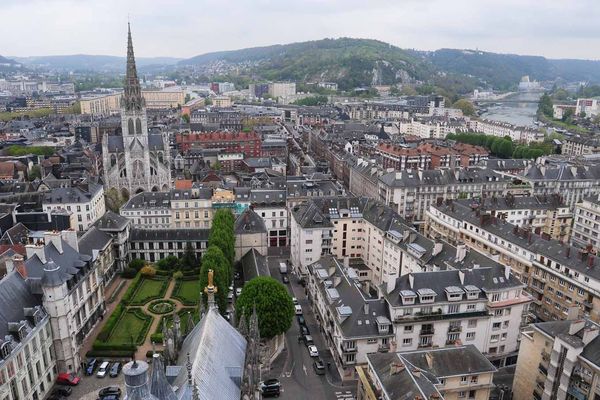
[(270, 388), (103, 370), (110, 391), (312, 350), (67, 379), (301, 320), (294, 300), (62, 391), (91, 366), (238, 292), (115, 369), (285, 279), (304, 330), (298, 309), (319, 367), (308, 340), (110, 397)]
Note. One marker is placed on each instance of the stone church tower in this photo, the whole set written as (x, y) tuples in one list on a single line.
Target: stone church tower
[(135, 161)]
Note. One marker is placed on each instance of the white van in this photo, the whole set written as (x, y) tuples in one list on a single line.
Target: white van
[(102, 370)]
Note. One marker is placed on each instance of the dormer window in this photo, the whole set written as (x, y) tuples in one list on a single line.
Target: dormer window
[(5, 350), (426, 295), (472, 292), (454, 293), (408, 297)]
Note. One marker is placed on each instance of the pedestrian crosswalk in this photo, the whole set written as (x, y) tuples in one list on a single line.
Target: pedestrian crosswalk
[(347, 395)]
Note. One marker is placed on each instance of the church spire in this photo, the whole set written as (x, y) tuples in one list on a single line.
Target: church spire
[(132, 99)]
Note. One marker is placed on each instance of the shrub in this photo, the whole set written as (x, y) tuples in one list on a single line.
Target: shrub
[(131, 289), (178, 275), (129, 273), (156, 337), (160, 272), (150, 353), (148, 271), (137, 264)]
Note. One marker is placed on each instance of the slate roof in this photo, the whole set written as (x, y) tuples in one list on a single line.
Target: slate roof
[(432, 365), (74, 194), (15, 296), (432, 177), (16, 234), (549, 248), (486, 278), (93, 240), (340, 288), (217, 353), (111, 221), (254, 264), (249, 222), (155, 142), (115, 144)]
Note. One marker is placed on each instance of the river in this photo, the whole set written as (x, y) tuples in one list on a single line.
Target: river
[(516, 113)]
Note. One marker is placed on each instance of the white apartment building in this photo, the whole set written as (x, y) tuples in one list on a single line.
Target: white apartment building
[(501, 129), (27, 362), (85, 201), (586, 228), (589, 107), (282, 89), (310, 236)]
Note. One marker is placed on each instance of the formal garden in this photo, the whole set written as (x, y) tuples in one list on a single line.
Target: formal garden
[(157, 291)]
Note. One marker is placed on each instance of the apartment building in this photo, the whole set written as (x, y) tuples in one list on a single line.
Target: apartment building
[(411, 192), (544, 214), (457, 372), (501, 129), (149, 210), (27, 361), (559, 360), (85, 201), (572, 182), (154, 245), (282, 89), (430, 127), (586, 228), (562, 279), (484, 306), (587, 107), (107, 104), (577, 146), (270, 205)]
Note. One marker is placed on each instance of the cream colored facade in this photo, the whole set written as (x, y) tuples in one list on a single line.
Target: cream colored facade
[(534, 353), (222, 101), (110, 103), (191, 213)]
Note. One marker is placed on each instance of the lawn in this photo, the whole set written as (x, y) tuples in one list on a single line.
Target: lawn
[(149, 289), (132, 322), (188, 292)]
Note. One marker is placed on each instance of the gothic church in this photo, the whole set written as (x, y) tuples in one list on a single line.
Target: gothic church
[(135, 161)]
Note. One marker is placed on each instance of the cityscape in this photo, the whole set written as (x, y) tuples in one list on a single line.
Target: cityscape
[(335, 218)]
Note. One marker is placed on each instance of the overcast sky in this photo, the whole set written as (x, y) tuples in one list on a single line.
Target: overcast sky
[(185, 28)]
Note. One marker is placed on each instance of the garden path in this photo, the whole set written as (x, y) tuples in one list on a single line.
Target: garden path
[(147, 346)]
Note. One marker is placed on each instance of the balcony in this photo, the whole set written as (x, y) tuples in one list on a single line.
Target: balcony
[(545, 356), (383, 348), (543, 369), (425, 345)]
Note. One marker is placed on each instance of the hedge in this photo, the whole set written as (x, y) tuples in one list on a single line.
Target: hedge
[(109, 353), (177, 288), (161, 272), (147, 323), (161, 293), (131, 289), (111, 323), (129, 273), (98, 345), (156, 337), (154, 302), (195, 271)]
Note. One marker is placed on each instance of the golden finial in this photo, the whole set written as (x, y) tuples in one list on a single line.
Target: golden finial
[(210, 287)]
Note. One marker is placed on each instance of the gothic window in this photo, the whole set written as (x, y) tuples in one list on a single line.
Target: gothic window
[(130, 130), (123, 173), (113, 160), (138, 126), (138, 169), (160, 157)]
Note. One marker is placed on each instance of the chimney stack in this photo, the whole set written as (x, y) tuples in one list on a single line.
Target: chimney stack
[(396, 367), (54, 238)]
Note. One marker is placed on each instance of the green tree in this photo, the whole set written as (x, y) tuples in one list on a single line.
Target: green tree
[(465, 106), (35, 173), (186, 118), (169, 263), (545, 105), (567, 115), (137, 264), (274, 305), (188, 259), (214, 259)]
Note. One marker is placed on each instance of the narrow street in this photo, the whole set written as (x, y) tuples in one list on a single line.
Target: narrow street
[(297, 375)]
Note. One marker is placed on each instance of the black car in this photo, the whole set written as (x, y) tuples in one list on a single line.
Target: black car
[(301, 320), (110, 391), (115, 369), (62, 391), (304, 330), (319, 367), (91, 366)]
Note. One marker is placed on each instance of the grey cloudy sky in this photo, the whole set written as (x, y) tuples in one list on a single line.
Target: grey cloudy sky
[(184, 28)]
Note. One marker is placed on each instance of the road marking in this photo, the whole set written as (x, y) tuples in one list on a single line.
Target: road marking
[(304, 369)]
